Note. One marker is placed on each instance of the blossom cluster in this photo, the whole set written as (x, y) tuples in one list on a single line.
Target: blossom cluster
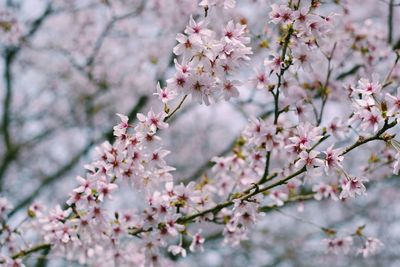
[(343, 245), (207, 62), (138, 160)]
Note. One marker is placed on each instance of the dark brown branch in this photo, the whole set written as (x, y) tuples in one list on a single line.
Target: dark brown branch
[(10, 54), (377, 136)]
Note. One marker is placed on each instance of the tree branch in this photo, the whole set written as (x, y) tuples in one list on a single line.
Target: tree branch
[(29, 251), (377, 136), (10, 54), (100, 40)]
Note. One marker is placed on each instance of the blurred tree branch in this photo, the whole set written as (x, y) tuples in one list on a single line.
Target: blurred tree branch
[(100, 40), (10, 53)]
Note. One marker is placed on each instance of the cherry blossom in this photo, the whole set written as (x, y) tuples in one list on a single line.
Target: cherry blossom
[(260, 80), (370, 247), (369, 87), (223, 3), (5, 206), (351, 187), (281, 14), (324, 191), (394, 103), (279, 197), (164, 94), (197, 243), (332, 159), (309, 159), (340, 245)]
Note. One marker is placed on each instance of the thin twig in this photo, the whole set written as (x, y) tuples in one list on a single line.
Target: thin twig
[(100, 40), (176, 108), (325, 94)]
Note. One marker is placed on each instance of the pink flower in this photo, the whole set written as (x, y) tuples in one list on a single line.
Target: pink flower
[(371, 246), (369, 87), (172, 226), (352, 186), (220, 3), (394, 103), (105, 189), (121, 129), (316, 25), (302, 57), (236, 33), (153, 121), (179, 82), (165, 94), (85, 185), (279, 197), (176, 250), (309, 159), (339, 245), (281, 14), (303, 110), (301, 17), (306, 136), (337, 128), (372, 119), (260, 81), (234, 235), (396, 165), (197, 243), (230, 89), (221, 164), (9, 262), (274, 63), (332, 159), (245, 213), (267, 137), (199, 86), (5, 206), (324, 191), (197, 30)]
